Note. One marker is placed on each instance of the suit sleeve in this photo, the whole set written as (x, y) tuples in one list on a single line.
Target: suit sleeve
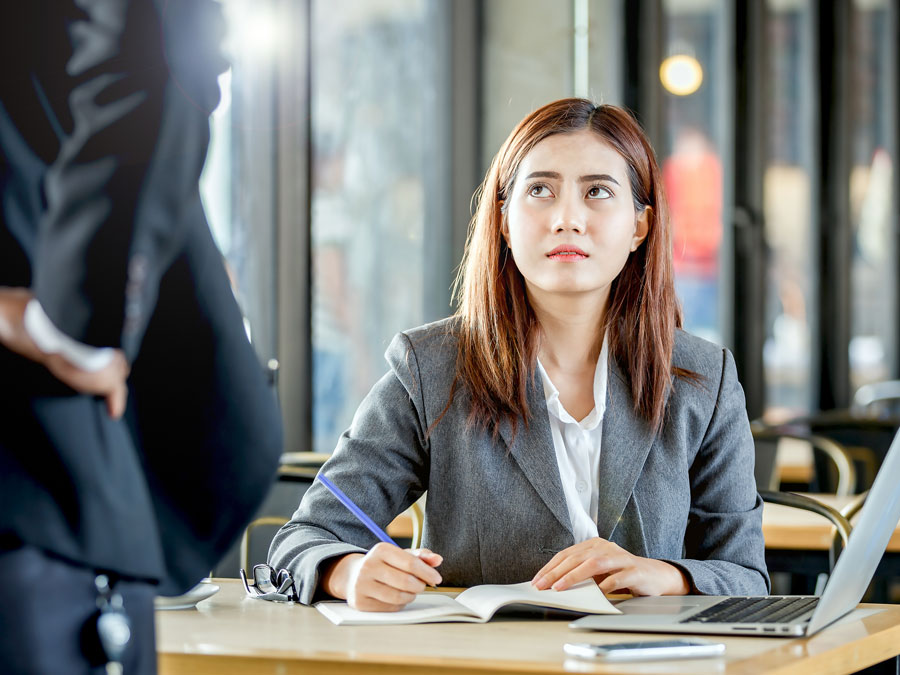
[(724, 546), (380, 462), (128, 93)]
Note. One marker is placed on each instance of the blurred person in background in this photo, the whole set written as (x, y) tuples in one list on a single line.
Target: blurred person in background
[(692, 176)]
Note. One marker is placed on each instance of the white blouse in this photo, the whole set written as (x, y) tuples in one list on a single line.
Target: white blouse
[(577, 447)]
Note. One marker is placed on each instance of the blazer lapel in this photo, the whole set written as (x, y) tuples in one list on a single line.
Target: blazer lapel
[(626, 443), (533, 449)]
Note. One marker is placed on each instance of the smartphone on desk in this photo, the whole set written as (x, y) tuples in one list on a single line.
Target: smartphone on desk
[(646, 650)]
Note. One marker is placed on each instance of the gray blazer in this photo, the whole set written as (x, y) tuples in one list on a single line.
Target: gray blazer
[(496, 510)]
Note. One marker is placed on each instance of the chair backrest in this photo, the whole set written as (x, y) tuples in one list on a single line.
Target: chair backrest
[(866, 439), (271, 521), (797, 501), (855, 506), (765, 469), (768, 440), (416, 513), (878, 399)]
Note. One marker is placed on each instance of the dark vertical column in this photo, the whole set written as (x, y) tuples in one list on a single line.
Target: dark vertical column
[(833, 204), (644, 40), (750, 254)]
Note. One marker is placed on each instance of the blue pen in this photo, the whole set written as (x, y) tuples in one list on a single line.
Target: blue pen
[(356, 511)]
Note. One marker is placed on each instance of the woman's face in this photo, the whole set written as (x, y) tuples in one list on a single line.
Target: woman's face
[(571, 222)]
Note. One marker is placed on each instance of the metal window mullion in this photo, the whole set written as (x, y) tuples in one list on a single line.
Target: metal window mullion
[(293, 261), (833, 205), (456, 138), (749, 252), (725, 132), (892, 137), (467, 130), (644, 40)]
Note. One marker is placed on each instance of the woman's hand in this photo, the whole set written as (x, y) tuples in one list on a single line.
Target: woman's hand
[(385, 579), (614, 569), (108, 382)]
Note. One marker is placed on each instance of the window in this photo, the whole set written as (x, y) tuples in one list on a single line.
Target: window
[(375, 170), (240, 170), (693, 74), (352, 134), (873, 337), (787, 204), (535, 52), (326, 194)]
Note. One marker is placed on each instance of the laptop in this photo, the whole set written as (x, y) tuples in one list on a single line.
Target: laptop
[(777, 616)]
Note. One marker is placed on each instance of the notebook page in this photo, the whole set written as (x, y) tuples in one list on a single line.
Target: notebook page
[(583, 597), (425, 608)]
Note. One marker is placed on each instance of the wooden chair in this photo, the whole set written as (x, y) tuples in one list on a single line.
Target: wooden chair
[(767, 441), (865, 438), (878, 399), (415, 513), (841, 524), (855, 506), (270, 521), (840, 521), (880, 589), (841, 481)]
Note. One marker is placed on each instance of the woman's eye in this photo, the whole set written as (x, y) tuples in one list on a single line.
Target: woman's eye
[(599, 192), (539, 191)]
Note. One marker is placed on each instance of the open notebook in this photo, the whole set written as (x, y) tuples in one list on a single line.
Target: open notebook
[(475, 605)]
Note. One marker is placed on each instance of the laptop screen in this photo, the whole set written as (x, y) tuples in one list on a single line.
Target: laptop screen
[(868, 541)]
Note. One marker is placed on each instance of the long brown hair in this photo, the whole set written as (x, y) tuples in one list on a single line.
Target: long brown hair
[(497, 328)]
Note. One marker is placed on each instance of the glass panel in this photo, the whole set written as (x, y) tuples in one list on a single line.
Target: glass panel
[(374, 82), (528, 61), (215, 181), (693, 75), (531, 57), (242, 153), (787, 203), (873, 341), (606, 46)]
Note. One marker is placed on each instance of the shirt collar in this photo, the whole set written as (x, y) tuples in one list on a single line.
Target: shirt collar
[(601, 376)]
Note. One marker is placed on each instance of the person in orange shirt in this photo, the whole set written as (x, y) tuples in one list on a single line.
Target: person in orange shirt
[(692, 176)]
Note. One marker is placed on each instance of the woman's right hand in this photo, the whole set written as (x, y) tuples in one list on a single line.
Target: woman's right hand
[(385, 579)]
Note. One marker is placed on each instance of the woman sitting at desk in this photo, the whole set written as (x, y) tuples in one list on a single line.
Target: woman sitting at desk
[(561, 422)]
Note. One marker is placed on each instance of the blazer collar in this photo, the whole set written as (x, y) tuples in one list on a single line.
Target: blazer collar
[(627, 439), (533, 450)]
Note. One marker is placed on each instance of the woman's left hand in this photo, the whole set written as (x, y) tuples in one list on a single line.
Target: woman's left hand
[(614, 569), (109, 382)]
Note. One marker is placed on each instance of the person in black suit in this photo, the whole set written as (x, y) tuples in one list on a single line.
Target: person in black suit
[(112, 291)]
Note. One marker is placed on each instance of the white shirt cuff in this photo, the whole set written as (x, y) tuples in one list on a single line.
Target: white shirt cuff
[(51, 340)]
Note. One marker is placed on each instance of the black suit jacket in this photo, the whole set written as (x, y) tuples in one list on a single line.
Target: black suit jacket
[(103, 132)]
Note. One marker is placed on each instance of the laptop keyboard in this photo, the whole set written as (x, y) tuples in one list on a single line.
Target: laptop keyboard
[(754, 610)]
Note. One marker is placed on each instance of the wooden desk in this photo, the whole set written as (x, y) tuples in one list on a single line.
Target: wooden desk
[(230, 634), (301, 466), (789, 528)]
